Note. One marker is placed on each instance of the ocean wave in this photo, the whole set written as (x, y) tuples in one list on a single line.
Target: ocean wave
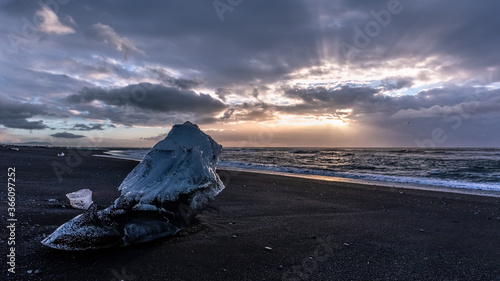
[(303, 151), (363, 176), (459, 168)]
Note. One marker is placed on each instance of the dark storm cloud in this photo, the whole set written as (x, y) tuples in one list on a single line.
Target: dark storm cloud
[(23, 124), (151, 97), (83, 127), (184, 36), (256, 112), (128, 116), (65, 135), (266, 44), (367, 100), (15, 114), (222, 93), (462, 31), (322, 100), (146, 104), (396, 83), (227, 114), (262, 40)]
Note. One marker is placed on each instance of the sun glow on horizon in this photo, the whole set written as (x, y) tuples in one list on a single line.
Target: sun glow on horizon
[(309, 120)]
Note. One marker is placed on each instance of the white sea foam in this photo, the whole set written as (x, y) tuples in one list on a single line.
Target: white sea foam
[(360, 176)]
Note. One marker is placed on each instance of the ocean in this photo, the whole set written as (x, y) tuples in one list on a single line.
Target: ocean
[(464, 168)]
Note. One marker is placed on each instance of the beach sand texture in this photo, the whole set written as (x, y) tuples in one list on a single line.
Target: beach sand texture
[(261, 227)]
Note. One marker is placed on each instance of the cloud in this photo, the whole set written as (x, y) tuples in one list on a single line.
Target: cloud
[(155, 138), (205, 71), (66, 135), (151, 97), (145, 104), (406, 115), (24, 124), (104, 33), (222, 93), (51, 23), (368, 104), (167, 78), (83, 127), (396, 83), (482, 105), (15, 114), (227, 114), (255, 112), (327, 100)]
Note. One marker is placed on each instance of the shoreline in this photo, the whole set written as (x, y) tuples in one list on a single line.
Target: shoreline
[(385, 184), (260, 227)]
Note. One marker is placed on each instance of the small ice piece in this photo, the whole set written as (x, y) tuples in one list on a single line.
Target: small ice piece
[(60, 154), (80, 199), (268, 248), (14, 148)]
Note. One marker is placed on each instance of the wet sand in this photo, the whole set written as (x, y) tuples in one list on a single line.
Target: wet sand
[(261, 227)]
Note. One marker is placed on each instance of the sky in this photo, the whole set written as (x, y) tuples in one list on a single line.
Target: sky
[(311, 73)]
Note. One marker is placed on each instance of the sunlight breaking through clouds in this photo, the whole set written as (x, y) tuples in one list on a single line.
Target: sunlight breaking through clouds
[(86, 66)]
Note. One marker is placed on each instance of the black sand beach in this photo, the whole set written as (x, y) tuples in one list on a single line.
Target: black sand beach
[(261, 227)]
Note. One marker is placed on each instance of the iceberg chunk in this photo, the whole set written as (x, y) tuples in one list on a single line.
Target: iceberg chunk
[(182, 163), (175, 180)]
